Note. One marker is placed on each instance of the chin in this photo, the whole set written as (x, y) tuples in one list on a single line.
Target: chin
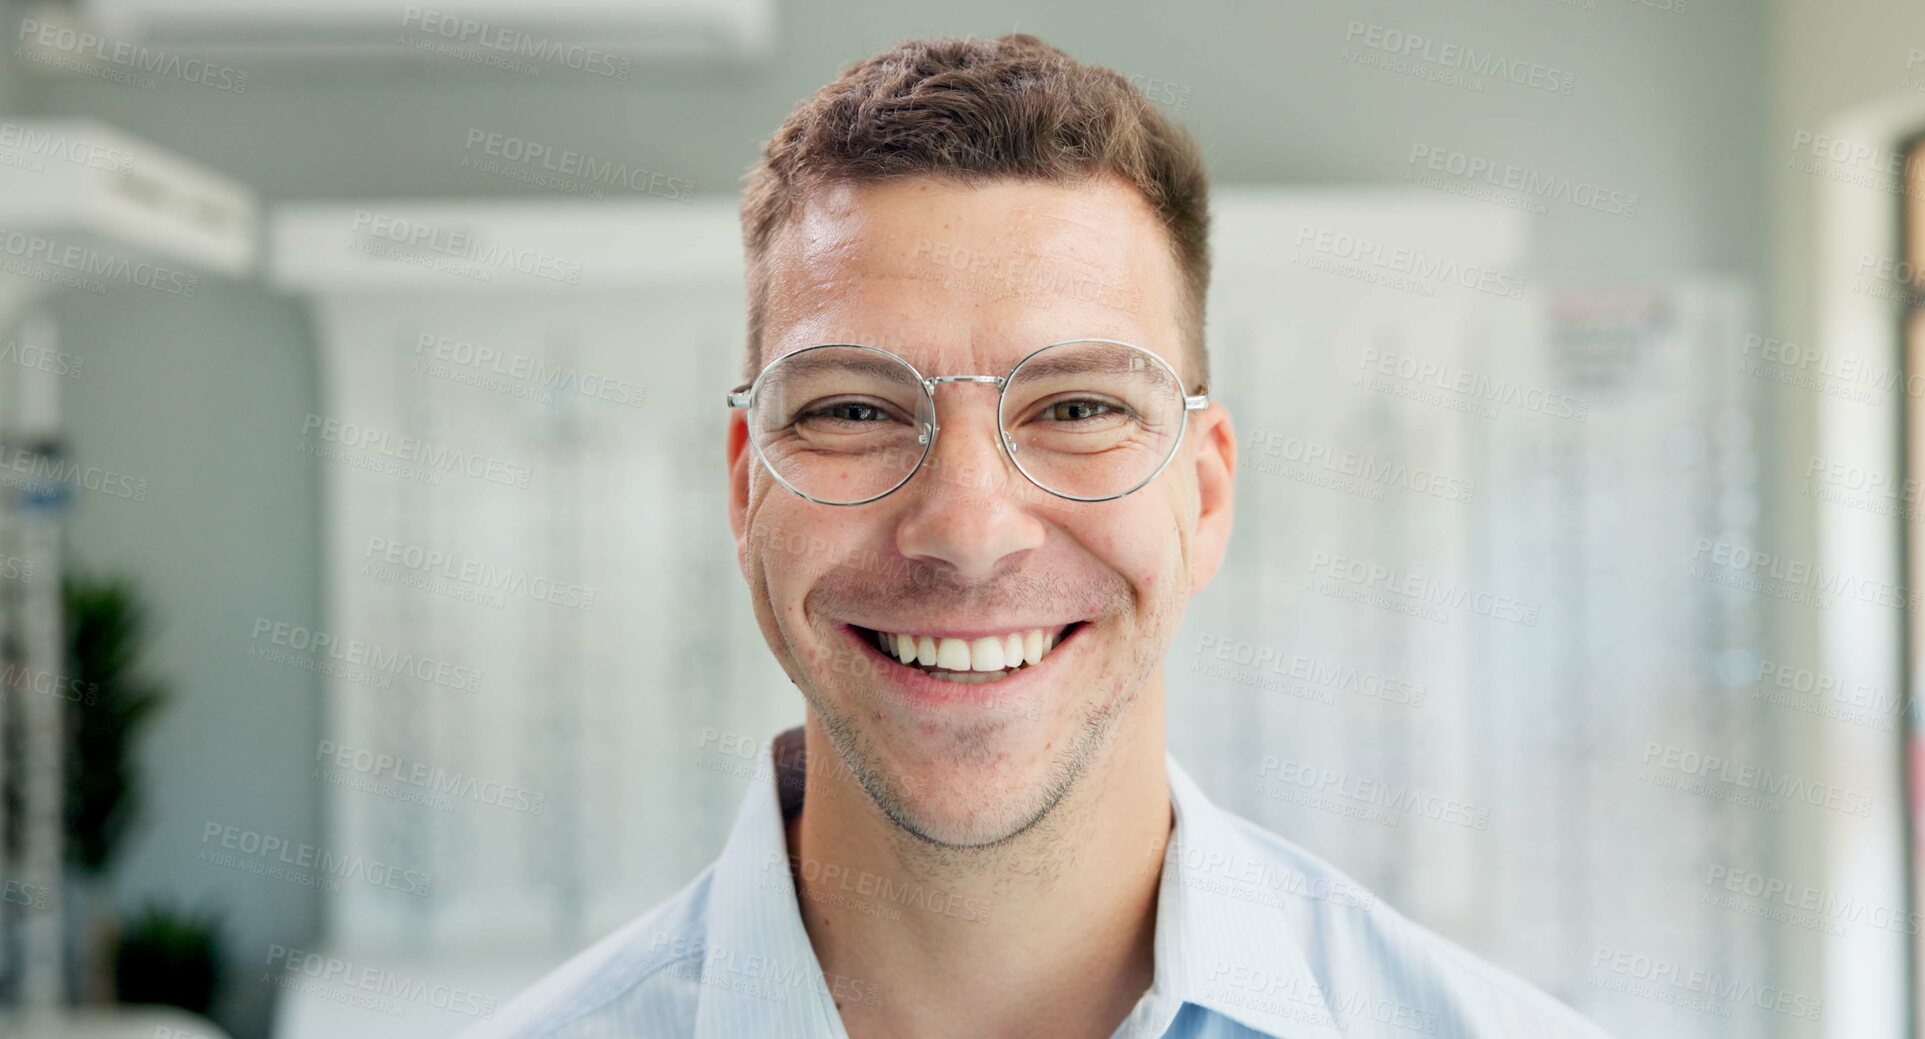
[(965, 778), (971, 802)]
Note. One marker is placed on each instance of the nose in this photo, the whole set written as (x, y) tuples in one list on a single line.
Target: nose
[(965, 510)]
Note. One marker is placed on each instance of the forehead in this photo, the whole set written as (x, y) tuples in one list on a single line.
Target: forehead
[(969, 279)]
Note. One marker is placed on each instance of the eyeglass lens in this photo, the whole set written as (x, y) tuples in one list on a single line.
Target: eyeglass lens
[(1083, 419)]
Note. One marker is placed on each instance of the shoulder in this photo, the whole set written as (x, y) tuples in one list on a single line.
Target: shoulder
[(640, 980), (1380, 969)]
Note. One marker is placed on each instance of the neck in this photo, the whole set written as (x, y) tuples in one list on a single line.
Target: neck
[(1050, 934)]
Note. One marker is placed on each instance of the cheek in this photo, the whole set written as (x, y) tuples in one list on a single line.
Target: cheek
[(793, 544), (785, 550), (1145, 545)]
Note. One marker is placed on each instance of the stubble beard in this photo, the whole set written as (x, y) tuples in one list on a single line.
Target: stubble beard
[(1042, 821)]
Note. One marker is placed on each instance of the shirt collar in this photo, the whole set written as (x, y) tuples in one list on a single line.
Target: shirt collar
[(761, 975), (1226, 912)]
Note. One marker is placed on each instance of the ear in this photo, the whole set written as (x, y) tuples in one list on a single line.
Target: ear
[(1216, 472), (738, 462)]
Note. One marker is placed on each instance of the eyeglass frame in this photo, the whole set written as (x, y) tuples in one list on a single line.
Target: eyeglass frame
[(743, 397)]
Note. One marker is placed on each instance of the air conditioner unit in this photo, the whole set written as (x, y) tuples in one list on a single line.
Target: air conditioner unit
[(80, 201), (549, 36)]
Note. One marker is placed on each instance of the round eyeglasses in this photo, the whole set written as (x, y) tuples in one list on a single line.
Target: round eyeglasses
[(1084, 419)]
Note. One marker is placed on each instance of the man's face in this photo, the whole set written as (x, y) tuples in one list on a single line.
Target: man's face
[(967, 280)]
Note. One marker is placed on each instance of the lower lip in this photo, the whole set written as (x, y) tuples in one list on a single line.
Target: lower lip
[(916, 686)]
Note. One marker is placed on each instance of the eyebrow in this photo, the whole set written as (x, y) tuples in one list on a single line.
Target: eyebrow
[(1078, 366), (862, 362)]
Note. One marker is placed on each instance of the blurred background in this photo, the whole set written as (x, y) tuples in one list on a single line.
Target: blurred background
[(371, 630)]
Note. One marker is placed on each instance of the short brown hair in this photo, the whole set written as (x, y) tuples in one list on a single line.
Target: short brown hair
[(971, 109)]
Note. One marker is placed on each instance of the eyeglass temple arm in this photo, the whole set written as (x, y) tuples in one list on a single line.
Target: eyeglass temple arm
[(1197, 402), (739, 396)]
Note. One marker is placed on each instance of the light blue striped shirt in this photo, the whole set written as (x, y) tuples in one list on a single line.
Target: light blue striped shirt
[(1254, 937)]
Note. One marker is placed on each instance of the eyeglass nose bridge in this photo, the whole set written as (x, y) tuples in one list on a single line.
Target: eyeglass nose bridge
[(929, 384), (934, 380)]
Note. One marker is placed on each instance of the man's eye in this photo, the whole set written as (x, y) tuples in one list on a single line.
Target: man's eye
[(1077, 410), (846, 411)]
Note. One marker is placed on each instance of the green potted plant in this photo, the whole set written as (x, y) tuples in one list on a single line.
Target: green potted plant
[(106, 700), (168, 955), (111, 701)]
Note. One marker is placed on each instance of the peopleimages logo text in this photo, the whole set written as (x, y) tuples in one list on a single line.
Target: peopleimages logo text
[(1512, 177), (1362, 466), (66, 40), (536, 370), (419, 452), (269, 848), (1399, 259), (1474, 385), (380, 981), (572, 163), (1798, 573), (92, 263), (430, 777), (1423, 588), (60, 146), (1717, 988), (361, 653), (1746, 776), (461, 245), (1460, 58), (470, 32), (1804, 897), (1291, 772)]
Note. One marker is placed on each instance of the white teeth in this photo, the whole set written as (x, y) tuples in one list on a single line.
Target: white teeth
[(966, 660), (986, 655), (952, 655)]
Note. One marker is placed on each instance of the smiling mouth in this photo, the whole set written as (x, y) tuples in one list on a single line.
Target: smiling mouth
[(969, 660)]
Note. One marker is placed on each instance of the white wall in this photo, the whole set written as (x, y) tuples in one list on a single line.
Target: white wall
[(1842, 74)]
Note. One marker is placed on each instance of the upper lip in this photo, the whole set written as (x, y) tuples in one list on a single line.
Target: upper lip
[(973, 630)]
